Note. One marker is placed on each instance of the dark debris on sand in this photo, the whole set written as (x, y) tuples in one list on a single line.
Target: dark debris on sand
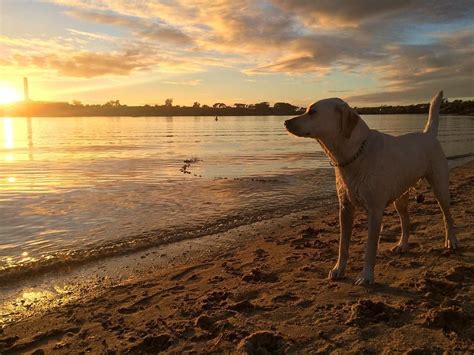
[(262, 343), (258, 275), (366, 311), (451, 319), (152, 344)]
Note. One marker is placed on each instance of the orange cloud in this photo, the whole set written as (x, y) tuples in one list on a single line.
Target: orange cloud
[(142, 27), (317, 37)]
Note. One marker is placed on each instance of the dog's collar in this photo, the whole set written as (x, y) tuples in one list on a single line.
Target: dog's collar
[(351, 160)]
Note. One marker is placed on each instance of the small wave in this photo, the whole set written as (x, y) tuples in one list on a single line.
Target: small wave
[(460, 156), (31, 267)]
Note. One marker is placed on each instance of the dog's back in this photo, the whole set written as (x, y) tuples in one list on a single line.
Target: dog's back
[(416, 153), (408, 157), (393, 164)]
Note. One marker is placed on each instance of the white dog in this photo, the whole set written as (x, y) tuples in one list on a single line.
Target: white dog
[(374, 169)]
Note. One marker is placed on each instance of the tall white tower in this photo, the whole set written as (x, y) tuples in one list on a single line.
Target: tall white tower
[(25, 89)]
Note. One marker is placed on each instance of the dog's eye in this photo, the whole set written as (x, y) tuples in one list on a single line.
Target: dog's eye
[(311, 110)]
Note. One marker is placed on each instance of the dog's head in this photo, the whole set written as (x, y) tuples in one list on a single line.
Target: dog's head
[(327, 118)]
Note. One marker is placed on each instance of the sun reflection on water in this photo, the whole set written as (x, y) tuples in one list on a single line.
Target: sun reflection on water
[(8, 132), (35, 300)]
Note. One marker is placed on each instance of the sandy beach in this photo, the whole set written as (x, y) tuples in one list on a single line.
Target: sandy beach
[(263, 288)]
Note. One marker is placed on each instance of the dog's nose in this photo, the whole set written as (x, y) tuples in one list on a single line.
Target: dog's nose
[(286, 122)]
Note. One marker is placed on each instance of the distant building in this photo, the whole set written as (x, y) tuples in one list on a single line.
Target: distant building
[(26, 90)]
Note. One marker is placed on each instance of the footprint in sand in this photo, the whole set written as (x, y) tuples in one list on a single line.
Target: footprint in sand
[(285, 298), (257, 275), (460, 273), (190, 269)]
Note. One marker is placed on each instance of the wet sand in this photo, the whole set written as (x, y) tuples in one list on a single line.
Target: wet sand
[(263, 287)]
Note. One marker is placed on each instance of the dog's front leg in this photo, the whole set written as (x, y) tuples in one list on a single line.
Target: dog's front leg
[(401, 205), (375, 221), (346, 219)]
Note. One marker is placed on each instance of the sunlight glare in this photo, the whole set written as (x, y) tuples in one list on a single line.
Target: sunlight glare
[(9, 95)]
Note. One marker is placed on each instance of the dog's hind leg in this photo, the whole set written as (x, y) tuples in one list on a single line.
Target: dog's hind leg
[(375, 221), (439, 181), (401, 205), (346, 220)]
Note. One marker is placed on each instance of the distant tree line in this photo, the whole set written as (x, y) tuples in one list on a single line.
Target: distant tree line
[(456, 107), (115, 108)]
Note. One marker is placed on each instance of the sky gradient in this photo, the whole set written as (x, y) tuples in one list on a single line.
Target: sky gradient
[(143, 52)]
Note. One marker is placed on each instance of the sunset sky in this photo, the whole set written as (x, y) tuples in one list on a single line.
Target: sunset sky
[(142, 52)]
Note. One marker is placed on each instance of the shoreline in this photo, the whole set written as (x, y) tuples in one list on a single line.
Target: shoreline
[(470, 114), (157, 238), (148, 240), (212, 293)]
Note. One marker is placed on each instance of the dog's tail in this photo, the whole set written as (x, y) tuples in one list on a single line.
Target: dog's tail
[(433, 118)]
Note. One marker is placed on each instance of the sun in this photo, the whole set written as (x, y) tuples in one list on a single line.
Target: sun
[(9, 94)]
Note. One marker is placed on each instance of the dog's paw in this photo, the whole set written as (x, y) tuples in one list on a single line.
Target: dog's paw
[(452, 243), (336, 273), (364, 280), (400, 248)]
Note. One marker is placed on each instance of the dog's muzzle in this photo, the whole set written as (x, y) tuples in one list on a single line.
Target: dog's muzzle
[(290, 126)]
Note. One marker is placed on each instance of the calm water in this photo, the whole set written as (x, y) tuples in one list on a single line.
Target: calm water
[(72, 187)]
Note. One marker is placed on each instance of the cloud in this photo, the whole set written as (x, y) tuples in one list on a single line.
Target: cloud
[(320, 54), (340, 13), (407, 47), (65, 57), (444, 64), (342, 90), (32, 45), (143, 28), (95, 36), (87, 64), (185, 82)]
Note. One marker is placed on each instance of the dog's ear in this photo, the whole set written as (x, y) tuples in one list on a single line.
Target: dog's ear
[(349, 119)]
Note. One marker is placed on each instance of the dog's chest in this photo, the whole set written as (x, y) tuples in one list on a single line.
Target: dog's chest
[(352, 189)]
